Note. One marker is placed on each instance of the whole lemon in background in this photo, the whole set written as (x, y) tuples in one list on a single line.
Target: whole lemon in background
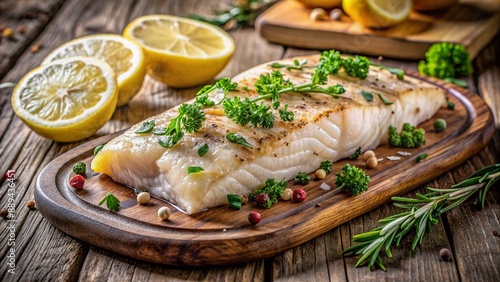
[(378, 13), (181, 52), (429, 5), (67, 100), (327, 4)]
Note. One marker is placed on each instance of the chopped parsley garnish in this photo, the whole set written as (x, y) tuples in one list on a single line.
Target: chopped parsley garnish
[(302, 178), (352, 179), (146, 127), (112, 202), (238, 139), (326, 166), (159, 130), (410, 137), (272, 188), (356, 154)]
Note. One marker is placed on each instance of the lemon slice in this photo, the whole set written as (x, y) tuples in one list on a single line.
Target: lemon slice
[(378, 13), (123, 55), (181, 52), (67, 100)]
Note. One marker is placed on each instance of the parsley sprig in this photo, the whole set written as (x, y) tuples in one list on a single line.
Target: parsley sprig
[(111, 201), (420, 214)]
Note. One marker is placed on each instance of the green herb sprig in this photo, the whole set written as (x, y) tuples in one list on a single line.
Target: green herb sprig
[(274, 189), (352, 179), (302, 178), (420, 214), (111, 201), (410, 136)]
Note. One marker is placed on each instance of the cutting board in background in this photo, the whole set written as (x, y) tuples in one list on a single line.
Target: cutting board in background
[(471, 23)]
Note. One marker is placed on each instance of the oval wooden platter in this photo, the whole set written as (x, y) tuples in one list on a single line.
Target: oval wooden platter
[(223, 235)]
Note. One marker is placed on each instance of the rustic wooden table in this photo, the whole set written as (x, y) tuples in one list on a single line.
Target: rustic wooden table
[(43, 253)]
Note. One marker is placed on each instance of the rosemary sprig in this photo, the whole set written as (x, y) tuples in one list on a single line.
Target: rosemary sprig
[(420, 214), (241, 13)]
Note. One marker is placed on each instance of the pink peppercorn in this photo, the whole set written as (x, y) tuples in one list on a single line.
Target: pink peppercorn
[(254, 217), (299, 195)]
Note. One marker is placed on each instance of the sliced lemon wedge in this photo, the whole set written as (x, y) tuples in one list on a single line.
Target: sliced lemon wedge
[(378, 13), (123, 55), (67, 100), (181, 52)]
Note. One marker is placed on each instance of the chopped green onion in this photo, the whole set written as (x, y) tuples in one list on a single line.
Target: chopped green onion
[(194, 169), (421, 157), (234, 201), (384, 99), (98, 148), (203, 150), (367, 95)]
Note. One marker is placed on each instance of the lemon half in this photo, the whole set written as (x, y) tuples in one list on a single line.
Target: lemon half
[(67, 100), (378, 13), (181, 52), (123, 55)]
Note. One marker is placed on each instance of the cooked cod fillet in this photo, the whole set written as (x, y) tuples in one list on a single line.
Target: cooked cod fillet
[(324, 128)]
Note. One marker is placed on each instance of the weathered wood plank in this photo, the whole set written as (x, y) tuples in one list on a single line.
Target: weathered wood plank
[(28, 153), (107, 266), (26, 18)]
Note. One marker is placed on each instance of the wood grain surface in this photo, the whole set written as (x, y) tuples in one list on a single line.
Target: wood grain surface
[(222, 236), (471, 23), (44, 253)]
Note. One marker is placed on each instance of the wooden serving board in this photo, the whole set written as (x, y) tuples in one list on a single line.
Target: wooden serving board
[(470, 23), (222, 235)]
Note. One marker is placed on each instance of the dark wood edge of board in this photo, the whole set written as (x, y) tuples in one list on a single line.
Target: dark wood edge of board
[(158, 244)]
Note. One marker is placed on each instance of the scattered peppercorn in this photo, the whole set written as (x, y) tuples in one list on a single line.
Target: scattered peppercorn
[(439, 125), (287, 194), (495, 233), (36, 47), (80, 168), (244, 200), (143, 198), (77, 182), (320, 174), (318, 14), (7, 33), (261, 200), (4, 213), (164, 213), (445, 254), (317, 205), (299, 195), (336, 14), (254, 217), (30, 204), (368, 154), (372, 162), (21, 29)]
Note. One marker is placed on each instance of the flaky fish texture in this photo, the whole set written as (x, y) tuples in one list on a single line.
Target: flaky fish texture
[(324, 128)]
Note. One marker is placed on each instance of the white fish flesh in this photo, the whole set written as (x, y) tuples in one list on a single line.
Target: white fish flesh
[(324, 129)]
